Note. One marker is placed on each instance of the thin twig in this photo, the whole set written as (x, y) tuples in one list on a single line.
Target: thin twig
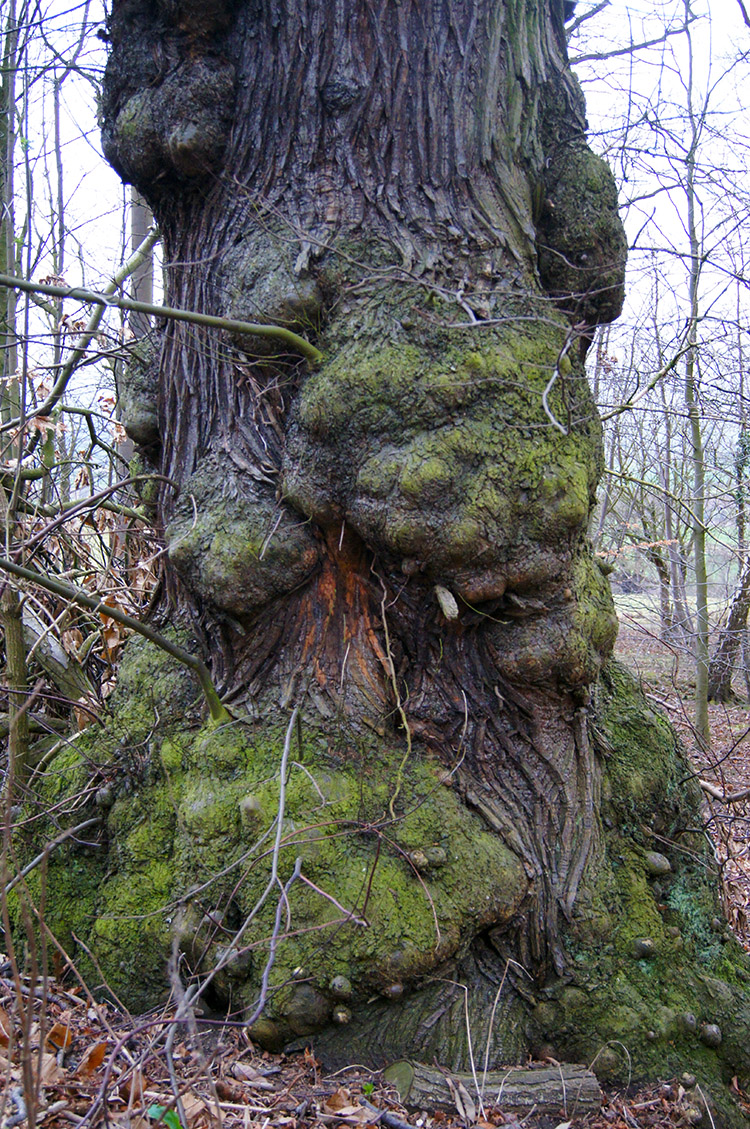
[(106, 300), (557, 373)]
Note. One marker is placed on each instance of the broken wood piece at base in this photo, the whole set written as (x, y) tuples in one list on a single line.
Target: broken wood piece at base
[(569, 1087)]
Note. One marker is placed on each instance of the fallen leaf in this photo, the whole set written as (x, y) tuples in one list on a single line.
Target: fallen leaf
[(200, 1113), (60, 1037), (468, 1102), (244, 1073), (131, 1087), (130, 1121), (7, 1070), (336, 1101), (230, 1091), (92, 1060), (340, 1104), (462, 1100), (49, 1071), (5, 1028)]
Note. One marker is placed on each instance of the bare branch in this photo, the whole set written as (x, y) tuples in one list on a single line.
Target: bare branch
[(600, 56), (585, 16), (219, 713), (725, 797)]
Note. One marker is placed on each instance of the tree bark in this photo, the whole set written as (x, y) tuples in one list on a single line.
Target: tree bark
[(725, 655), (410, 188)]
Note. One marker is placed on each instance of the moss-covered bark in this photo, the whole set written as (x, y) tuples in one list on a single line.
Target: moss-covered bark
[(398, 926), (394, 544)]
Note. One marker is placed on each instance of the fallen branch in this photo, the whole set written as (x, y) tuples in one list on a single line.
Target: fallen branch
[(724, 797), (568, 1086)]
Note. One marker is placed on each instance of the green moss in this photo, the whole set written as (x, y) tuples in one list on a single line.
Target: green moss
[(239, 553), (392, 903), (425, 476), (181, 824), (440, 450), (645, 780), (135, 120), (630, 1012), (171, 754)]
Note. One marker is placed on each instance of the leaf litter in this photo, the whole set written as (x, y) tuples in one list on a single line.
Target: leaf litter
[(87, 1064)]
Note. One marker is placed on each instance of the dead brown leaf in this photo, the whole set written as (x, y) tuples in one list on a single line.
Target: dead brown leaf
[(6, 1028), (49, 1072), (7, 1070), (131, 1121), (92, 1060), (199, 1113), (340, 1104), (59, 1037), (251, 1077)]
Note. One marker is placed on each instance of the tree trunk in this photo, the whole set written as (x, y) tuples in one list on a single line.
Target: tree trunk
[(16, 674), (392, 541), (380, 190), (725, 655)]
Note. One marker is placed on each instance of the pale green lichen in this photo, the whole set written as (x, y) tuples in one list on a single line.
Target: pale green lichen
[(449, 457)]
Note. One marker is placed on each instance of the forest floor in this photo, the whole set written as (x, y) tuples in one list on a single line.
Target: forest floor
[(90, 1064)]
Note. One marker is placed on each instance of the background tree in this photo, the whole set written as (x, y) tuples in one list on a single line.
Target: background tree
[(682, 174), (56, 432)]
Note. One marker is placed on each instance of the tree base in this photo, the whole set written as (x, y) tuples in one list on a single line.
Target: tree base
[(401, 938)]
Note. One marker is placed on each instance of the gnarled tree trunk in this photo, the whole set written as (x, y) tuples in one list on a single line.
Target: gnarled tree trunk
[(410, 185), (393, 540)]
